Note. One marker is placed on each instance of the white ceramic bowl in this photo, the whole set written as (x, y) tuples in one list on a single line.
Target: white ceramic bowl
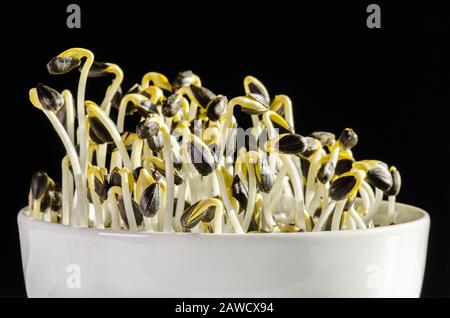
[(61, 261)]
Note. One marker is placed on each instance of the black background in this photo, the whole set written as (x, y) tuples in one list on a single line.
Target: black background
[(389, 84)]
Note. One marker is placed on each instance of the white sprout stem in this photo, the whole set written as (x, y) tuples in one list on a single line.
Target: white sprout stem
[(277, 187), (122, 113), (112, 90), (116, 161), (357, 218), (82, 133), (315, 201), (378, 199), (67, 191), (218, 218), (192, 110), (352, 222), (268, 217), (127, 202), (226, 200), (391, 207), (294, 175), (324, 188), (71, 153), (99, 223), (101, 155), (157, 221), (289, 115), (251, 198), (111, 128), (148, 224), (70, 114), (170, 184), (114, 210), (365, 202), (136, 153), (48, 216), (298, 190), (324, 216), (370, 193), (36, 210), (337, 215), (312, 173), (334, 156)]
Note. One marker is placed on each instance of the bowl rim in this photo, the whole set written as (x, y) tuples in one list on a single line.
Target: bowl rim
[(422, 220)]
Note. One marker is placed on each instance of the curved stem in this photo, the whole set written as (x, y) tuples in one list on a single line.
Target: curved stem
[(312, 173), (109, 125), (167, 153), (357, 218), (70, 114), (112, 89), (336, 221), (113, 208), (226, 200), (377, 202), (218, 218), (251, 198), (391, 208), (71, 153), (127, 201), (99, 223), (136, 153), (324, 217), (82, 133), (67, 191)]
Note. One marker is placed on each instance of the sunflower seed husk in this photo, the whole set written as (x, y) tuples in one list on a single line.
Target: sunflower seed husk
[(342, 187), (136, 211), (62, 65), (150, 200), (49, 98)]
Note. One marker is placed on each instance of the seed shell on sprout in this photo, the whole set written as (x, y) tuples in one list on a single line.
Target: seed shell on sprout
[(240, 192), (264, 175), (146, 108), (342, 187), (292, 144), (255, 108), (216, 107), (49, 98), (343, 166), (202, 95), (380, 177), (348, 139), (101, 188), (396, 182), (62, 65), (136, 211), (184, 78), (172, 105), (258, 93), (201, 157), (97, 69), (190, 218), (39, 184), (326, 172), (156, 143), (98, 132), (324, 137), (150, 200)]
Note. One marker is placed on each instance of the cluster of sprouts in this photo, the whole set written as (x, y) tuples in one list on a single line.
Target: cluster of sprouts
[(186, 165)]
